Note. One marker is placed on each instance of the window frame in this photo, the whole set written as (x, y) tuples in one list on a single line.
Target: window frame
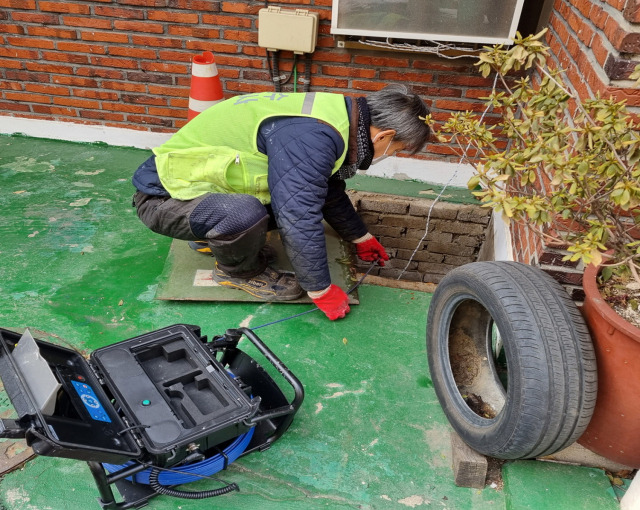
[(335, 30)]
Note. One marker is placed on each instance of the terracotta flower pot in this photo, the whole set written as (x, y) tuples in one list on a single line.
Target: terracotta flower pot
[(614, 430)]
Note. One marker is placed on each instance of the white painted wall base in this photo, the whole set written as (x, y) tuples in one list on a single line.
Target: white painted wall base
[(502, 240), (435, 172), (73, 132), (631, 500)]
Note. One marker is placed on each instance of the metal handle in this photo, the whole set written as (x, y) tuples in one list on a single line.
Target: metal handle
[(228, 342), (295, 383)]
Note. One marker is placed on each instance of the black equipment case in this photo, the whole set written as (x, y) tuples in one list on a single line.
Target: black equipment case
[(155, 399)]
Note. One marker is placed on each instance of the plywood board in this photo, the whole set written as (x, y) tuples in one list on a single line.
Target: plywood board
[(187, 273)]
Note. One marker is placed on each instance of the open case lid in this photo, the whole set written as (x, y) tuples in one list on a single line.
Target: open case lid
[(61, 406), (173, 390)]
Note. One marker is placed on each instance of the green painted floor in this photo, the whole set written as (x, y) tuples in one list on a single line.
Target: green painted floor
[(76, 263)]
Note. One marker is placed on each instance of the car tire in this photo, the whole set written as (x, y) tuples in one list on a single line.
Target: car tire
[(511, 360)]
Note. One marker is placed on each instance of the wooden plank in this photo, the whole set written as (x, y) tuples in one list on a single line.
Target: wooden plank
[(13, 454), (469, 466)]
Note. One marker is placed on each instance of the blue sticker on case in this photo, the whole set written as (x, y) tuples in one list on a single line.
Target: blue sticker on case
[(91, 402)]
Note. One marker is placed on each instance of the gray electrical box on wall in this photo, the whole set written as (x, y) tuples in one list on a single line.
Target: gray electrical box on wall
[(286, 29)]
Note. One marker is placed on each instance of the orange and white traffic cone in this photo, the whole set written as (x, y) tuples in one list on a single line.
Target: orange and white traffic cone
[(206, 89)]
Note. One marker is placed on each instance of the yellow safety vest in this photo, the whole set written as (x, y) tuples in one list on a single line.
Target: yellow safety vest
[(217, 152)]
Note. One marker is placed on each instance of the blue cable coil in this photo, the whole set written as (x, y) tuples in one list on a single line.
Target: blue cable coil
[(192, 472)]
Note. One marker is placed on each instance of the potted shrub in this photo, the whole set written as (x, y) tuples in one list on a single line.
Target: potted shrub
[(568, 168)]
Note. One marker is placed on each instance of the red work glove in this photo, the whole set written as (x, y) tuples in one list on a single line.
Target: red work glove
[(371, 250), (334, 303)]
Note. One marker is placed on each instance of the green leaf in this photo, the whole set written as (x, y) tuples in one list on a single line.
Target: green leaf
[(583, 168), (473, 182), (606, 273), (625, 198), (485, 70), (508, 210), (541, 34)]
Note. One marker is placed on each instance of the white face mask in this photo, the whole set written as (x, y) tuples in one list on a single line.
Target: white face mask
[(384, 154)]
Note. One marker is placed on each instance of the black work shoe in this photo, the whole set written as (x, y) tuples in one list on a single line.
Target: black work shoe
[(267, 251), (270, 285)]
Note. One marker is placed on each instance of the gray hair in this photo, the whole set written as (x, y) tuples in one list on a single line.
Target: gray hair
[(395, 107)]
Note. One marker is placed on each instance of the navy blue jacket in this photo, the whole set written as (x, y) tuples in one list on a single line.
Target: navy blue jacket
[(302, 153)]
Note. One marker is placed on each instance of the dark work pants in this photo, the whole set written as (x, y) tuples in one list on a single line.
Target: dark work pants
[(234, 225)]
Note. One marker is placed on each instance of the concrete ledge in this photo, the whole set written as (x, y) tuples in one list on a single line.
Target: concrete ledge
[(578, 455)]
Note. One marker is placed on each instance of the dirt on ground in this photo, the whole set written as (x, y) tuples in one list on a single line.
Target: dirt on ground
[(624, 297), (494, 473), (463, 357)]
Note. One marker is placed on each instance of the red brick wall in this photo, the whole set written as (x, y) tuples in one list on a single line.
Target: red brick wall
[(596, 42), (126, 63)]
